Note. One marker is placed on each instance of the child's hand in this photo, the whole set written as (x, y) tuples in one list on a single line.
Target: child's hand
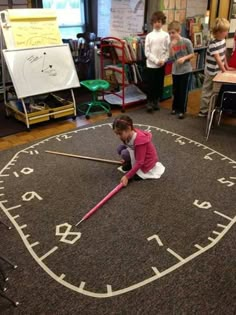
[(181, 60), (174, 42), (122, 161), (231, 69), (161, 63), (124, 180)]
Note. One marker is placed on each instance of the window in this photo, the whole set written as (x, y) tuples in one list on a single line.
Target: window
[(70, 16)]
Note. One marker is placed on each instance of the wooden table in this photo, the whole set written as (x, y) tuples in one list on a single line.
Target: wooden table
[(225, 77), (228, 77)]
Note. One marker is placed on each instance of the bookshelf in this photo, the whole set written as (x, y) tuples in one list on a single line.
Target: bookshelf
[(1, 78), (198, 65), (120, 63), (168, 82)]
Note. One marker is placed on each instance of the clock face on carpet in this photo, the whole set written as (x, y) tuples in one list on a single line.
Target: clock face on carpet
[(145, 232)]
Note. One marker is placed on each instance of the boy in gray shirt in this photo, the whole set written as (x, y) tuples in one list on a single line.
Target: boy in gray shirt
[(181, 51)]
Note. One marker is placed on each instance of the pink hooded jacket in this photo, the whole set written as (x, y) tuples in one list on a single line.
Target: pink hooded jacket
[(145, 153)]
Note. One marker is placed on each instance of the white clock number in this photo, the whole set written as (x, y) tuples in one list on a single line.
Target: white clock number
[(179, 141), (31, 195), (60, 138), (202, 205), (25, 171), (227, 182)]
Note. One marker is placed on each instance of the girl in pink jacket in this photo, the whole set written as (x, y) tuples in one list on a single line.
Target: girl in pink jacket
[(138, 153)]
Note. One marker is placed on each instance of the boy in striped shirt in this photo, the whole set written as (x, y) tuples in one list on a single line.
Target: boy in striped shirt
[(215, 62)]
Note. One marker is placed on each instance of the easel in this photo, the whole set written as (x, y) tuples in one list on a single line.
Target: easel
[(38, 25)]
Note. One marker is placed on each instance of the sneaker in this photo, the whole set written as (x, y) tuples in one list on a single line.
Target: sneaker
[(201, 114), (173, 112), (120, 168), (181, 116), (125, 167)]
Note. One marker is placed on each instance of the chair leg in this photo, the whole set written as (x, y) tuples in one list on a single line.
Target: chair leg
[(7, 226), (3, 289), (105, 107), (90, 105), (219, 119), (208, 129), (5, 278), (8, 261), (15, 303), (95, 102)]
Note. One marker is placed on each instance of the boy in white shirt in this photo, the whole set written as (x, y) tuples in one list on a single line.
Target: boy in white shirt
[(157, 53)]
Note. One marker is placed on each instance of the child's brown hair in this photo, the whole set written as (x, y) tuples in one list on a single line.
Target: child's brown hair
[(158, 16), (122, 123), (221, 25), (174, 25)]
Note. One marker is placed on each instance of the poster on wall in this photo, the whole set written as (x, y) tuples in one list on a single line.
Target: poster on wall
[(126, 21), (104, 18), (232, 29), (173, 10), (120, 18)]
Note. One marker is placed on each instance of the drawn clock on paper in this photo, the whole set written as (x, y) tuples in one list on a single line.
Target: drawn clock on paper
[(42, 64), (145, 232)]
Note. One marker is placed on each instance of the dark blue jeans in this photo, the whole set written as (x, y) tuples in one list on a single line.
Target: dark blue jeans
[(124, 153), (181, 84)]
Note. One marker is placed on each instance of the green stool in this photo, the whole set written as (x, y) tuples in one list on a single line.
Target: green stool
[(95, 86)]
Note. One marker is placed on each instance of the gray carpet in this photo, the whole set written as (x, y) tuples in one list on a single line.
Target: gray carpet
[(162, 246)]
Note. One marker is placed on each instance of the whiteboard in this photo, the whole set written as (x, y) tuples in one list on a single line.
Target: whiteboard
[(41, 70)]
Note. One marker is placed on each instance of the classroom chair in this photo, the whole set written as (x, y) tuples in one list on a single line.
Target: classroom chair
[(95, 105), (5, 278), (225, 104)]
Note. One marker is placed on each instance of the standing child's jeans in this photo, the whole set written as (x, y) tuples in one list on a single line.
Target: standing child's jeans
[(206, 94)]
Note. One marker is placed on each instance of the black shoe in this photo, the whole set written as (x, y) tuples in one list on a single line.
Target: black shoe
[(126, 167), (173, 112), (181, 116), (155, 106), (149, 108), (136, 177)]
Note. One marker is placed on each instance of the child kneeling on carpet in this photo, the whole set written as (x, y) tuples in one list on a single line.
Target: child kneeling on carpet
[(138, 153)]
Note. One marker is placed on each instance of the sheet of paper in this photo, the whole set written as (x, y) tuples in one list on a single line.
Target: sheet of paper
[(132, 94), (124, 21), (30, 28)]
